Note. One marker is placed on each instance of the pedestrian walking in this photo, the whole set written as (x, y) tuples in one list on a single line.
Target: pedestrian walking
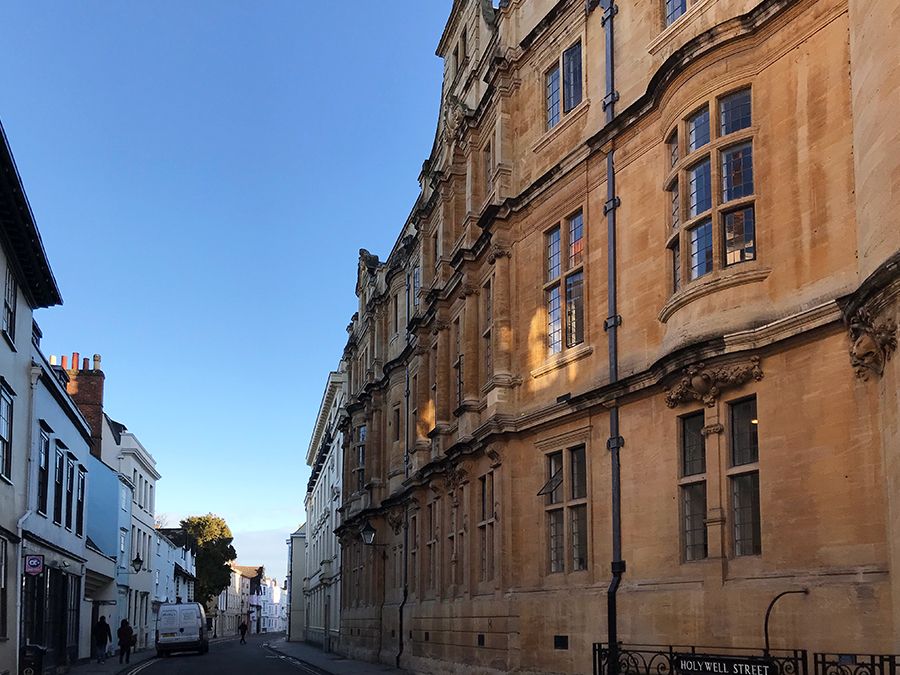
[(243, 629), (102, 637), (127, 638)]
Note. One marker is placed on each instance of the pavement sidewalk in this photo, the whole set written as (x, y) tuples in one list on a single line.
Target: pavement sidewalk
[(333, 664)]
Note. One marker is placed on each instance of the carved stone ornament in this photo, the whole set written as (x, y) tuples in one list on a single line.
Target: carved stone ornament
[(466, 291), (455, 477), (497, 251), (712, 429), (873, 344), (395, 519), (706, 384), (438, 327), (494, 455)]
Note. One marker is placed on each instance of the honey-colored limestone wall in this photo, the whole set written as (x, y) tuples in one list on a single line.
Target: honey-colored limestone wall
[(829, 444)]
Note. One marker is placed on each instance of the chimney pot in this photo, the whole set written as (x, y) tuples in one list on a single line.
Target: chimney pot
[(85, 363), (96, 362), (52, 360), (74, 360), (65, 362)]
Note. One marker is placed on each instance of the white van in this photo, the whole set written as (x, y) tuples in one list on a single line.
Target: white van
[(181, 628)]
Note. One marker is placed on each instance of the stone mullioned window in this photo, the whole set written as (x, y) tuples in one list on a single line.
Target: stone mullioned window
[(711, 199), (565, 283)]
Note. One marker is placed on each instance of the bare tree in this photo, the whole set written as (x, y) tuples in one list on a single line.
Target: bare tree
[(161, 520)]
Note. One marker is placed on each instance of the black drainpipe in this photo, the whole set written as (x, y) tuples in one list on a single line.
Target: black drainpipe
[(611, 325)]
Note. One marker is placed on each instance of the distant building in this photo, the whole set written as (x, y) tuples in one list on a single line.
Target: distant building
[(297, 581), (322, 591), (227, 609), (270, 601), (256, 578)]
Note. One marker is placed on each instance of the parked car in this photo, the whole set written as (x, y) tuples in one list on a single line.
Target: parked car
[(181, 628)]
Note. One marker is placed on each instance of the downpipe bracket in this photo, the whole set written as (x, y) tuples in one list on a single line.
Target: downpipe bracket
[(608, 14), (611, 205), (612, 322), (618, 567), (609, 99), (613, 443)]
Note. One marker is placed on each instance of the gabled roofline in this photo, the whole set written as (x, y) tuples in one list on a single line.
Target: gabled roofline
[(20, 237)]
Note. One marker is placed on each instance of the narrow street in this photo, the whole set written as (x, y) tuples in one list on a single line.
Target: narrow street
[(227, 658)]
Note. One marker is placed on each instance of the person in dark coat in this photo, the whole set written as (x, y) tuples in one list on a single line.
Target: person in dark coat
[(243, 629), (126, 641), (102, 637)]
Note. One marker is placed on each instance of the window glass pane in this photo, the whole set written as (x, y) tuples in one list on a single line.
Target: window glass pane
[(576, 240), (554, 262), (698, 126), (693, 445), (676, 267), (579, 472), (701, 250), (557, 541), (673, 148), (744, 436), (740, 236), (552, 95), (571, 77), (575, 309), (488, 169), (5, 433), (674, 9), (694, 504), (737, 172), (555, 460), (735, 112), (675, 206), (554, 320), (701, 188), (579, 537), (747, 536)]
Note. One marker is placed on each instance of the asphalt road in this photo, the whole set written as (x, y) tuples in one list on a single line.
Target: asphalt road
[(227, 658)]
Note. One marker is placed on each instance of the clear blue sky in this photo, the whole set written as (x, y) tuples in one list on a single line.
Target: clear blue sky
[(203, 175)]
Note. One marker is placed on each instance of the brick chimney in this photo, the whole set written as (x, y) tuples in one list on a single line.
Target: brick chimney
[(86, 389)]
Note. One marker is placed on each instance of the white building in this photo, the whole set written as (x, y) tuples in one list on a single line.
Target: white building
[(323, 497), (54, 526), (138, 466), (270, 600), (27, 282)]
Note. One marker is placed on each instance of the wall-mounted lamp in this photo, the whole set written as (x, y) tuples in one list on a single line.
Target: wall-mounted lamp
[(368, 536), (137, 563)]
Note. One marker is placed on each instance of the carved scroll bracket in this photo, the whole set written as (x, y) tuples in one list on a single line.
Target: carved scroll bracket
[(706, 384), (873, 343)]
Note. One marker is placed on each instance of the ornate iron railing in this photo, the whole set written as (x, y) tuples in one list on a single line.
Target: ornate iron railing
[(670, 660), (856, 664)]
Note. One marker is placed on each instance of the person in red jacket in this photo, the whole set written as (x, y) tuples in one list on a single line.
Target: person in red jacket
[(126, 641)]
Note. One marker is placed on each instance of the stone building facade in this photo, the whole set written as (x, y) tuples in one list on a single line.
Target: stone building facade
[(322, 586), (632, 346)]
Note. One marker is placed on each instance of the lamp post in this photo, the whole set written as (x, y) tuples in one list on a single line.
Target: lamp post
[(804, 591)]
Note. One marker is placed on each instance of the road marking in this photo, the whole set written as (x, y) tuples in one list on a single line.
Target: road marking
[(141, 667)]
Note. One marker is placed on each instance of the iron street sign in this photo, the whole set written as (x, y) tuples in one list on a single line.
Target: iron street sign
[(713, 664)]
